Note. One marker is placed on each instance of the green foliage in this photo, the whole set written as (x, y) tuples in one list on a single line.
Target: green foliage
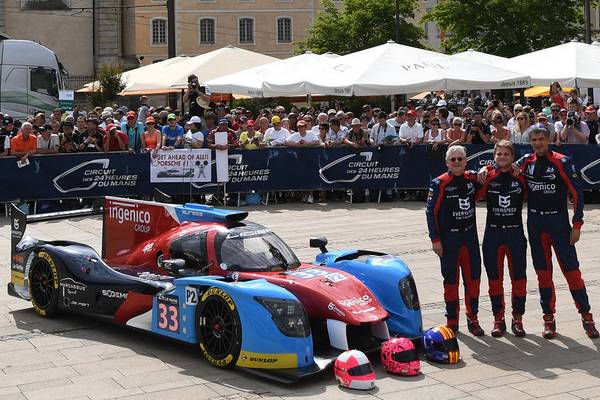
[(360, 24), (507, 27), (109, 84), (257, 104)]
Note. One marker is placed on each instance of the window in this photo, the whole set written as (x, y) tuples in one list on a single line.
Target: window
[(284, 30), (43, 81), (159, 31), (207, 31), (246, 30), (46, 4)]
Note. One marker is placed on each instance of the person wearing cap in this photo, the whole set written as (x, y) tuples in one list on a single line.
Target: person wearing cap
[(276, 135), (143, 109), (39, 119), (570, 128), (443, 105), (68, 138), (8, 127), (119, 116), (250, 139), (411, 132), (47, 141), (5, 135), (303, 138), (331, 114), (194, 138), (357, 137), (591, 120), (152, 138), (24, 143), (114, 140), (134, 131), (172, 133), (92, 138), (542, 120), (231, 139)]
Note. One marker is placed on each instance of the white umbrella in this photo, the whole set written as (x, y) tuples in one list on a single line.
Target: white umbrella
[(393, 69), (484, 58), (206, 66), (249, 82), (129, 78), (571, 64)]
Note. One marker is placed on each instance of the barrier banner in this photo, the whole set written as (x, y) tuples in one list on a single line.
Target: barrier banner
[(271, 169), (183, 166)]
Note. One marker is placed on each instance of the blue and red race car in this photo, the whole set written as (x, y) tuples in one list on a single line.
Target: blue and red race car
[(206, 276)]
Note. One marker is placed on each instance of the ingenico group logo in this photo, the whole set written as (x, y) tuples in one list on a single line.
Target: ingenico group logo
[(90, 174)]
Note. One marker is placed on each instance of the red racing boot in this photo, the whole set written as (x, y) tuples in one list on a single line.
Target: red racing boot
[(475, 328), (589, 325), (549, 327), (499, 328), (517, 326)]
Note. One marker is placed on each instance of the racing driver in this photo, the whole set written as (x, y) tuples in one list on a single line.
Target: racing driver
[(551, 177), (504, 237), (453, 232)]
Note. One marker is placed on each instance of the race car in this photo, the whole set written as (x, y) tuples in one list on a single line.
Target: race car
[(206, 276), (175, 173)]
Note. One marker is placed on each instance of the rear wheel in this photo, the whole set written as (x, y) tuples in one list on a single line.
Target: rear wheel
[(218, 328), (43, 285)]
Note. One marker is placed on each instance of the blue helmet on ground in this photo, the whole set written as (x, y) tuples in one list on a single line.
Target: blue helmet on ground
[(440, 345)]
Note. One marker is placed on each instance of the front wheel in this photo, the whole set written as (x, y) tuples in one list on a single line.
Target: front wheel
[(219, 329), (43, 285)]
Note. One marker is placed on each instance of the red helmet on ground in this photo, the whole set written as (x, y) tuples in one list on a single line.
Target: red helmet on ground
[(399, 356), (353, 370)]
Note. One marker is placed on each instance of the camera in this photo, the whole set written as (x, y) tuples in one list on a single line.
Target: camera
[(570, 121), (495, 103)]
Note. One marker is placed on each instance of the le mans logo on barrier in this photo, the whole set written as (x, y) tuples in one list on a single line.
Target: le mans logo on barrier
[(90, 174), (354, 167)]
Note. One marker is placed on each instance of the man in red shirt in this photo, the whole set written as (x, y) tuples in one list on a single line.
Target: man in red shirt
[(114, 140), (25, 143)]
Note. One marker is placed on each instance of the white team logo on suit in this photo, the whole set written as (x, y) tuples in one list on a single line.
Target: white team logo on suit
[(504, 201), (464, 204)]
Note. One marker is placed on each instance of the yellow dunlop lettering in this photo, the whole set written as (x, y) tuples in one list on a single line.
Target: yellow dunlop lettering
[(222, 294), (267, 361), (219, 363)]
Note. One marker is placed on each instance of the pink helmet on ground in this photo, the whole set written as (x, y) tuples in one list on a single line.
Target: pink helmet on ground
[(399, 356), (353, 370)]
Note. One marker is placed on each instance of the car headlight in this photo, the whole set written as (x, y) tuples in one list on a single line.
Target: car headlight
[(408, 291), (288, 315)]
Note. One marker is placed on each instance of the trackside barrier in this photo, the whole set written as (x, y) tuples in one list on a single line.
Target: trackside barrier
[(265, 170)]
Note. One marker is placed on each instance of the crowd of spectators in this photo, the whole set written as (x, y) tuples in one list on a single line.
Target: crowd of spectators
[(148, 128)]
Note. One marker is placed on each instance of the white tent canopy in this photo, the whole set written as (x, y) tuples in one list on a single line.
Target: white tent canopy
[(572, 64), (214, 64), (483, 58), (393, 69), (250, 81), (129, 78)]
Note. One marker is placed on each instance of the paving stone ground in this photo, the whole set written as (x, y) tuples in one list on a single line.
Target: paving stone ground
[(80, 358)]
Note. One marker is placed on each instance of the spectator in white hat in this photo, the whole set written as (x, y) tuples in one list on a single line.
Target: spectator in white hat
[(357, 137)]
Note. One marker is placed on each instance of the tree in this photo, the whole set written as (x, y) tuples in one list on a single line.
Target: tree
[(507, 28), (108, 86), (360, 24)]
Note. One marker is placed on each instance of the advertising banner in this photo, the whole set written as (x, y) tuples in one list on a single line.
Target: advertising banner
[(189, 165), (272, 169)]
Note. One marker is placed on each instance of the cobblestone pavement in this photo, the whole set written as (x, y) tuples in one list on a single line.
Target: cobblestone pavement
[(79, 358)]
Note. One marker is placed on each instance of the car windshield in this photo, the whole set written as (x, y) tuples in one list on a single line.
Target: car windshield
[(245, 249)]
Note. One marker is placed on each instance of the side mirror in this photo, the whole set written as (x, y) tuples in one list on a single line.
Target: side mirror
[(320, 242), (174, 265)]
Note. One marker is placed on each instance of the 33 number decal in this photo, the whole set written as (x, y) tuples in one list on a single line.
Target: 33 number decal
[(168, 317)]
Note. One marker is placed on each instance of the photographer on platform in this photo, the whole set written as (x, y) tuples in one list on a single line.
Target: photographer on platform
[(194, 96), (572, 129)]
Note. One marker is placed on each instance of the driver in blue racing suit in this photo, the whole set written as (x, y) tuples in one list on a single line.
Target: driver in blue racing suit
[(453, 232), (551, 178), (504, 237)]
